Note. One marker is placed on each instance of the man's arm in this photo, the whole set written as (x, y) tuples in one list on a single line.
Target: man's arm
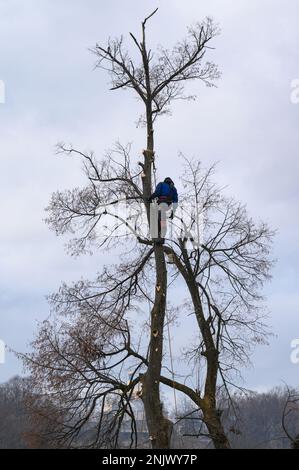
[(175, 201), (175, 196), (157, 192)]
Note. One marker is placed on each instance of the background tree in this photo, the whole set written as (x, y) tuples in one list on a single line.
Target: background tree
[(20, 425), (13, 413), (256, 423), (289, 415)]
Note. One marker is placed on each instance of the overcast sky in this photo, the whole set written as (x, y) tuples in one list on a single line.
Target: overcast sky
[(53, 94)]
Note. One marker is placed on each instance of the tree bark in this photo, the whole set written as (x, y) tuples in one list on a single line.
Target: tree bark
[(212, 419), (159, 427), (211, 415)]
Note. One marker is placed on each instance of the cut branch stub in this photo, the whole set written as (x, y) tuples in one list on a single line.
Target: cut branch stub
[(158, 287), (155, 333), (149, 154)]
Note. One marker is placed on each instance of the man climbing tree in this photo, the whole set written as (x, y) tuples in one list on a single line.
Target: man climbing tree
[(84, 355), (167, 198)]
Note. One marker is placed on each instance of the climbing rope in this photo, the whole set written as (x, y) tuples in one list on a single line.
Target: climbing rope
[(171, 364), (155, 172), (173, 380)]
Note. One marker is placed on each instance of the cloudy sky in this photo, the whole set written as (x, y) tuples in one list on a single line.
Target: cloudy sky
[(248, 124)]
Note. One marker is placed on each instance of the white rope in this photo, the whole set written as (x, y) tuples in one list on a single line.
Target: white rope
[(171, 364), (154, 173)]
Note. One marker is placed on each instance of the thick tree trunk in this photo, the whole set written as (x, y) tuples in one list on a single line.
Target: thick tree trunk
[(159, 427), (211, 415), (213, 422)]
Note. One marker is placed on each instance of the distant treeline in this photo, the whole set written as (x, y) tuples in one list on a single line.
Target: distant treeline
[(252, 420)]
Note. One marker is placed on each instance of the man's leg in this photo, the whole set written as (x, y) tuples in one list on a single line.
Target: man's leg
[(159, 223), (154, 221), (163, 208)]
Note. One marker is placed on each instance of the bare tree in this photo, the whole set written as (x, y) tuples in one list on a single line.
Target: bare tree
[(256, 423), (157, 83), (13, 414), (19, 427), (83, 356), (291, 409)]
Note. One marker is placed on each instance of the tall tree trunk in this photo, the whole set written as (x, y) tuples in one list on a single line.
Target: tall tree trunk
[(159, 427)]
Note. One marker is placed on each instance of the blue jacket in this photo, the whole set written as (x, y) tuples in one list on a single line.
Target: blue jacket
[(166, 190)]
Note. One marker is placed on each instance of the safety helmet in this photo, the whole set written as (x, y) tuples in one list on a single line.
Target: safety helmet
[(168, 181)]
